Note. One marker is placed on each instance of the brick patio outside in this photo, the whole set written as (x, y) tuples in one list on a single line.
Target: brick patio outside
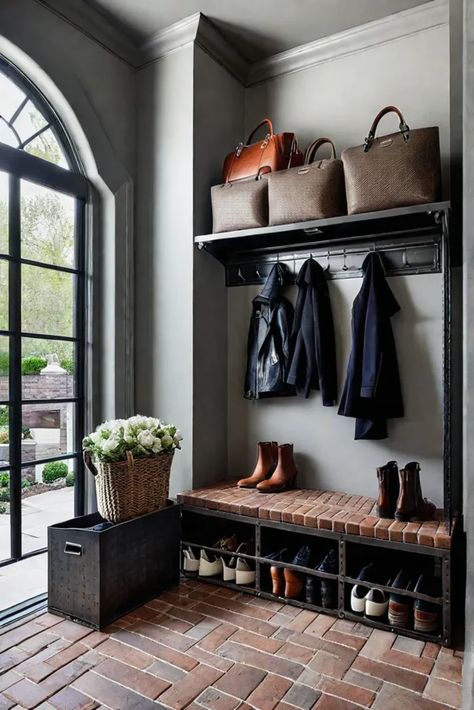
[(202, 646)]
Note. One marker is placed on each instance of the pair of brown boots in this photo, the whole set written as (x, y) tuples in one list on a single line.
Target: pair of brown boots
[(400, 494), (275, 470)]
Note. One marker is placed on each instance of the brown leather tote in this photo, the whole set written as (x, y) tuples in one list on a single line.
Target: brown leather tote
[(395, 170), (314, 190), (274, 152)]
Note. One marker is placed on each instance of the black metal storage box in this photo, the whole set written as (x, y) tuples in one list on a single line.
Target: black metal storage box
[(96, 577)]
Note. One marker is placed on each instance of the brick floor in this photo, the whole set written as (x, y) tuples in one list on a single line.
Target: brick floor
[(200, 646)]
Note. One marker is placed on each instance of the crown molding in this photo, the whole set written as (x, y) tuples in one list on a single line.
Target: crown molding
[(96, 26), (174, 37), (392, 27), (215, 44)]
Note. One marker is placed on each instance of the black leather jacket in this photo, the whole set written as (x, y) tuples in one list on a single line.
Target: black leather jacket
[(268, 348)]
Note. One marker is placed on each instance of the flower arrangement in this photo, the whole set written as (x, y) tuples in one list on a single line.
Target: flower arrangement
[(139, 435)]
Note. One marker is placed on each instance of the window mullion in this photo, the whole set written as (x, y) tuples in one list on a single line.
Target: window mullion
[(15, 414)]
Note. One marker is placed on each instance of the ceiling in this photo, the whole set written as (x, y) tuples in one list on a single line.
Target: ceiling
[(257, 28)]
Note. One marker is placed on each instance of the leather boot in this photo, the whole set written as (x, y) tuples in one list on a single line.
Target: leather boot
[(284, 475), (406, 503), (389, 489), (266, 462), (425, 509)]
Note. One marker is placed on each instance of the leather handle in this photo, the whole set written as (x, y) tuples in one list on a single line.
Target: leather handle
[(315, 146), (403, 126), (266, 121), (88, 461)]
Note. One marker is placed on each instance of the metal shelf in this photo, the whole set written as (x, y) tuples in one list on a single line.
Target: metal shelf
[(407, 237)]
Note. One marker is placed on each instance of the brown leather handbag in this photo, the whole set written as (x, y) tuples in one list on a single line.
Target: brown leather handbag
[(274, 152), (395, 170), (314, 190)]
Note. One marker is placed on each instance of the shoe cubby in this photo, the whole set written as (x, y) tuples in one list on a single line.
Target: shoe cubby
[(424, 614)]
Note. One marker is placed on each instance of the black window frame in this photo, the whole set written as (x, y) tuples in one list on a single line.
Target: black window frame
[(20, 165)]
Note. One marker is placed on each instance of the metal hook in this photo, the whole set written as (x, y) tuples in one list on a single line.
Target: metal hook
[(405, 261), (257, 272), (345, 267), (328, 266), (240, 275)]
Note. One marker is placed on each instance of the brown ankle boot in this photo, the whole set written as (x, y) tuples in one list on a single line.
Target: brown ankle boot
[(406, 503), (266, 462), (294, 582), (285, 472), (277, 580), (389, 489), (425, 509)]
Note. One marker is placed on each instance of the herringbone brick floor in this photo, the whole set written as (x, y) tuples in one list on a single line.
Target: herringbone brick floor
[(200, 646)]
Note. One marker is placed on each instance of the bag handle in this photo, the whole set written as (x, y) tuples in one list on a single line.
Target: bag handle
[(89, 463), (403, 126), (315, 146), (266, 121)]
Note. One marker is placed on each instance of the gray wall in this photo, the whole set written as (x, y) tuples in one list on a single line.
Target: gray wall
[(164, 249), (339, 98)]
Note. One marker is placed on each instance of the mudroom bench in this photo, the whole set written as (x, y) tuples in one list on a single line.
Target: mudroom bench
[(325, 521)]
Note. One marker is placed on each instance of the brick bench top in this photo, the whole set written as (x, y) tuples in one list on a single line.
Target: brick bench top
[(327, 510)]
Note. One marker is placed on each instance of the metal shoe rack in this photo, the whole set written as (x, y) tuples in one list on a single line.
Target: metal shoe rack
[(200, 526), (411, 241)]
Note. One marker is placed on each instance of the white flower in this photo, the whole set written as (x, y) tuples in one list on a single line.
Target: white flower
[(146, 438), (166, 441), (108, 446), (156, 448)]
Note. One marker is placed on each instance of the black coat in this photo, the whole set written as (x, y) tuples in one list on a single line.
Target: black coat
[(268, 349), (372, 392), (313, 363)]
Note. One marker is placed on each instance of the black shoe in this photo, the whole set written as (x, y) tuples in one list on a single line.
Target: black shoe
[(278, 556), (399, 606), (302, 557), (329, 586), (312, 590), (427, 615)]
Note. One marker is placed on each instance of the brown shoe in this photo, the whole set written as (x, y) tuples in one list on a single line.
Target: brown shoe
[(294, 582), (425, 509), (277, 580), (284, 475), (389, 489), (406, 503), (266, 463)]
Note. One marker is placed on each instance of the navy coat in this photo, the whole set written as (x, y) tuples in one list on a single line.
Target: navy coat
[(268, 348), (372, 391), (313, 363)]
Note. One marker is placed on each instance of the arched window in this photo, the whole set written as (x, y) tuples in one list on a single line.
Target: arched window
[(42, 304)]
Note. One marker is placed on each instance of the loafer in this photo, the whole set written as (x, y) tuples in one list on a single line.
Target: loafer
[(359, 592), (427, 616), (329, 586), (400, 607)]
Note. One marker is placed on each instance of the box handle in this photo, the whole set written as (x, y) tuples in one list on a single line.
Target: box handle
[(72, 548)]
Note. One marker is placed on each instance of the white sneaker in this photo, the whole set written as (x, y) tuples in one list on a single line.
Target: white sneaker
[(228, 568), (243, 573), (209, 567), (373, 602), (190, 562)]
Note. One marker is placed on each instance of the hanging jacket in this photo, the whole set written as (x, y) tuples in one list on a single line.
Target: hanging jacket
[(372, 391), (313, 363), (268, 347)]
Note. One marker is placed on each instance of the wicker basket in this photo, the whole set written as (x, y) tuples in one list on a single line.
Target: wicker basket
[(127, 489)]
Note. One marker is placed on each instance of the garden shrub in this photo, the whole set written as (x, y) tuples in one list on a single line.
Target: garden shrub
[(32, 365), (4, 415), (54, 470), (4, 480), (4, 436), (70, 479), (4, 495), (3, 509), (26, 432), (25, 483), (4, 361), (68, 365)]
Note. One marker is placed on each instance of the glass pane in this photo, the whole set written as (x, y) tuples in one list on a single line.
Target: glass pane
[(29, 121), (4, 437), (7, 135), (47, 369), (47, 225), (3, 295), (44, 504), (5, 545), (48, 431), (47, 147), (47, 301), (11, 97), (4, 373), (3, 213)]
